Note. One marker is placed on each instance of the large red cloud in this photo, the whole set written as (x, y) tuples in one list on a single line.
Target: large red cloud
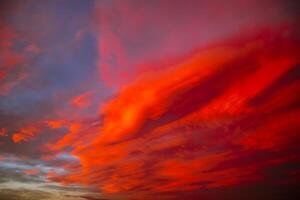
[(191, 125)]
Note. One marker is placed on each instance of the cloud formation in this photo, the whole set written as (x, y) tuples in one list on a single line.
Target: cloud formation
[(149, 100), (159, 134)]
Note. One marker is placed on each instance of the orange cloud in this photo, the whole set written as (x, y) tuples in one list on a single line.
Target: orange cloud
[(31, 171), (146, 100), (25, 134), (54, 124), (74, 129), (79, 133)]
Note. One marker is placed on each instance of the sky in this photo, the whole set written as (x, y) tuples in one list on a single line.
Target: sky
[(143, 100)]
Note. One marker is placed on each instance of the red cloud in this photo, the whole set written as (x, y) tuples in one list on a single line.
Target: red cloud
[(82, 100), (277, 132), (133, 38), (3, 132), (186, 128), (32, 48), (11, 74), (7, 86)]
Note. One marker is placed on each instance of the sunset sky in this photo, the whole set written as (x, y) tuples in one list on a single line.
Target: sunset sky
[(149, 100)]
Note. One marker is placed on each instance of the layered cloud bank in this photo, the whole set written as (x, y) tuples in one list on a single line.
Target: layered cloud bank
[(152, 100)]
